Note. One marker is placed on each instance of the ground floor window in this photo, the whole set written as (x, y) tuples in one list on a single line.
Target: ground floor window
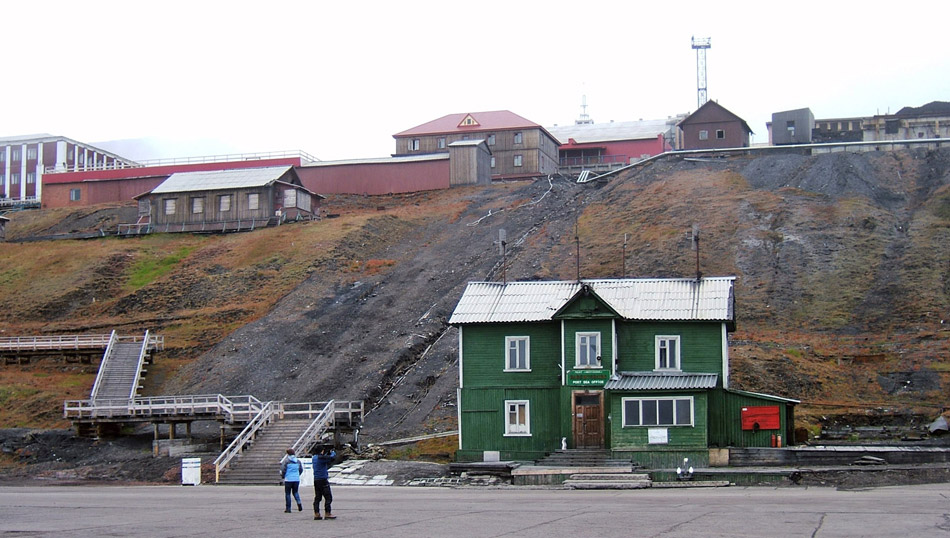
[(169, 206), (518, 418), (74, 195), (657, 412)]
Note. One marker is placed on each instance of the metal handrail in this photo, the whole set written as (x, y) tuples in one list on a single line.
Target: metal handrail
[(246, 436), (113, 338), (138, 368), (316, 427)]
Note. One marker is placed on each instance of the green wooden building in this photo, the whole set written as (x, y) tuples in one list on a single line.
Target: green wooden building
[(639, 367)]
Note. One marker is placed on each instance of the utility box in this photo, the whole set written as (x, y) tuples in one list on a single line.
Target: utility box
[(190, 471), (306, 477)]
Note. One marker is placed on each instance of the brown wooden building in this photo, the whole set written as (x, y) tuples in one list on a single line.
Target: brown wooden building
[(519, 148), (228, 200), (714, 127)]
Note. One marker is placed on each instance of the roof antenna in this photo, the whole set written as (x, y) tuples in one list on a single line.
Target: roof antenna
[(503, 250), (623, 258), (577, 243), (694, 245)]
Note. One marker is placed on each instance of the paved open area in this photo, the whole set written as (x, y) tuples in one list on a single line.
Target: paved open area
[(392, 512)]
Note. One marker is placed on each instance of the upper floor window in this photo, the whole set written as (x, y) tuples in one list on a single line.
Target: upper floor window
[(413, 144), (588, 350), (30, 153), (30, 178), (441, 142), (3, 154), (492, 162), (517, 417), (518, 160), (518, 138), (491, 140), (720, 134), (704, 135), (518, 354), (15, 178), (668, 353), (15, 154)]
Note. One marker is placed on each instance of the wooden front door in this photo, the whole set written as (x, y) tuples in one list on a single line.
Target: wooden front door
[(588, 421)]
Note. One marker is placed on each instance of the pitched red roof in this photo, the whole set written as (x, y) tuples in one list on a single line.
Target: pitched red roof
[(497, 120)]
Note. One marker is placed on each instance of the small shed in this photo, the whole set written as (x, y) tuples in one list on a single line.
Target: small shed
[(227, 200), (469, 163), (3, 227)]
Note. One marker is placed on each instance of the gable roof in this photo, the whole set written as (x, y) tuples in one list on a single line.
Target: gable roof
[(496, 120), (655, 299), (222, 179), (706, 109)]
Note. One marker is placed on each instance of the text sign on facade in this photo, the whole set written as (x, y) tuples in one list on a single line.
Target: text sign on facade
[(658, 436), (587, 378)]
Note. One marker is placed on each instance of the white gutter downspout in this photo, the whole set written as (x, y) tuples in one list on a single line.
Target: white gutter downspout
[(613, 361), (563, 382), (458, 392)]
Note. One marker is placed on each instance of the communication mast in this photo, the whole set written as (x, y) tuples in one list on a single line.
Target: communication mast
[(701, 44), (584, 119)]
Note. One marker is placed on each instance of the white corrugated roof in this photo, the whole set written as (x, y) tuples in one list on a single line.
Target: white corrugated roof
[(661, 381), (661, 299), (221, 179), (604, 132)]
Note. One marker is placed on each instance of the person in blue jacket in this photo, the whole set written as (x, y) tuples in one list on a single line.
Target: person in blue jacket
[(290, 470), (322, 460)]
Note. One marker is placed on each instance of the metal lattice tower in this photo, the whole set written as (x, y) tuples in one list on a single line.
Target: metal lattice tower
[(701, 44)]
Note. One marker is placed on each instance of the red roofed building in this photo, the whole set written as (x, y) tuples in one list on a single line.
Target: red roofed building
[(519, 147)]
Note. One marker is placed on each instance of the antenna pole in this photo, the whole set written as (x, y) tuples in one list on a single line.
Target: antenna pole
[(577, 243), (623, 258), (695, 242), (504, 262)]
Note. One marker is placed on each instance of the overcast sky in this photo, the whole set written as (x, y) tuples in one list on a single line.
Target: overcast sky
[(338, 79)]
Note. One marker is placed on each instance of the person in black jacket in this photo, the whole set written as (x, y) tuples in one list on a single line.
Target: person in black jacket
[(322, 461)]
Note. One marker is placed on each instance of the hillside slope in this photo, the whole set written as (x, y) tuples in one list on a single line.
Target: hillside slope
[(843, 296)]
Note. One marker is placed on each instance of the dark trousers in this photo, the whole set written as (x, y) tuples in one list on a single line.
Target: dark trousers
[(291, 488), (321, 487)]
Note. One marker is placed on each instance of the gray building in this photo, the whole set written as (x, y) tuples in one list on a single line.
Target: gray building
[(792, 127)]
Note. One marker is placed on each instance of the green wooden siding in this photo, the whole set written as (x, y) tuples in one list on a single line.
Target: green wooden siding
[(603, 327), (678, 436), (483, 422), (725, 420), (700, 346), (484, 355)]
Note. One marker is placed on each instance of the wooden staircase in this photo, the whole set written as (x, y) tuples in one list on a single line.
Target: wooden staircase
[(259, 464), (584, 457), (120, 374)]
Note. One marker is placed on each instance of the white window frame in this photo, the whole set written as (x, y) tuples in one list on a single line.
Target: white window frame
[(15, 154), (518, 160), (655, 401), (661, 343), (413, 144), (578, 345), (519, 138), (516, 428), (197, 205), (441, 142), (720, 134), (30, 178), (512, 345), (253, 201), (491, 140), (14, 178), (170, 205), (704, 134), (224, 203), (75, 195), (492, 162), (30, 153)]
